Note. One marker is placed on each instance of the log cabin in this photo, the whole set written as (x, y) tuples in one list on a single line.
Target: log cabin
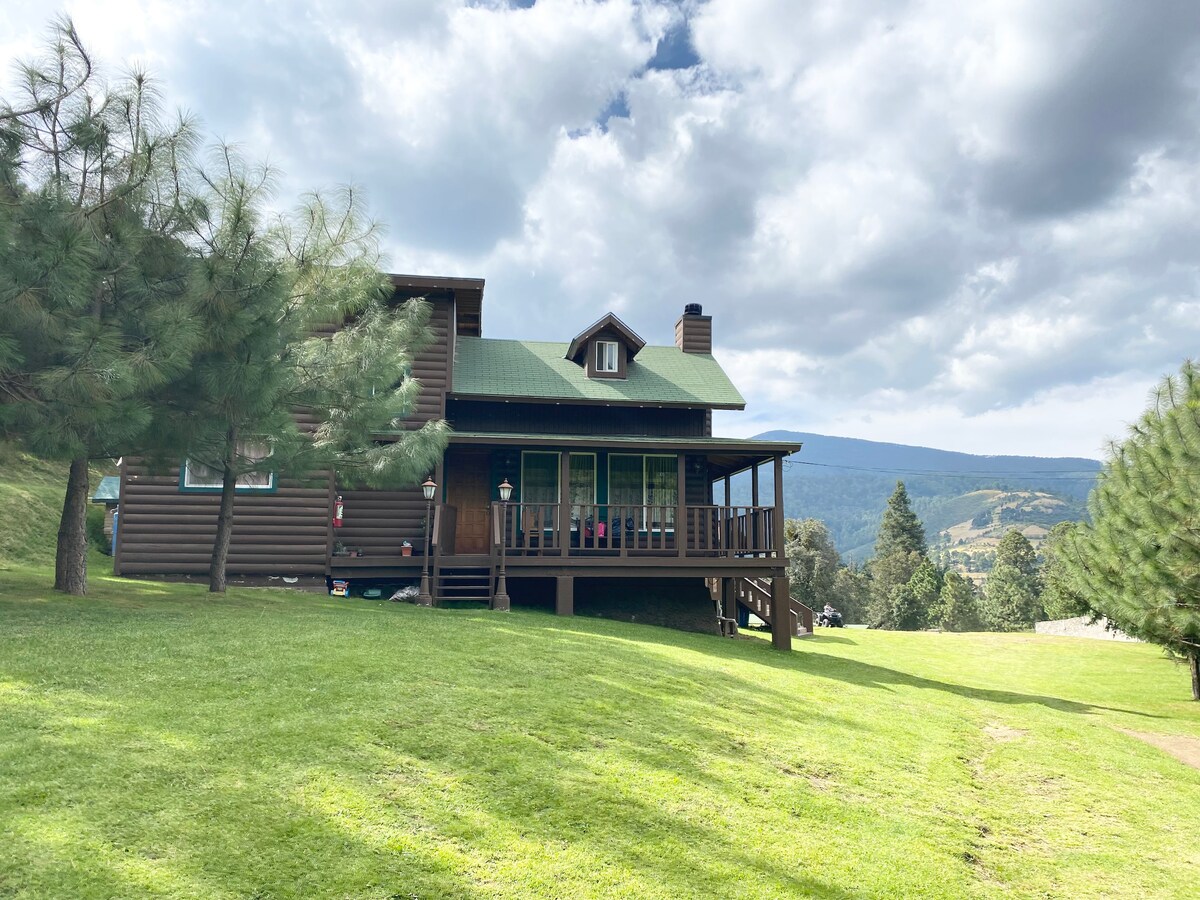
[(586, 467)]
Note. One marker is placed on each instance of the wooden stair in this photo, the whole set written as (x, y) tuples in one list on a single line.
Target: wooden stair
[(755, 595), (463, 582)]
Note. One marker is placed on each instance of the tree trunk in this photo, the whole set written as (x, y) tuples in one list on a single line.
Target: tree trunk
[(220, 554), (1194, 665), (70, 558)]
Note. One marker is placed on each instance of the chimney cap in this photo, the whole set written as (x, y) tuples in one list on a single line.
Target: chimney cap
[(693, 309)]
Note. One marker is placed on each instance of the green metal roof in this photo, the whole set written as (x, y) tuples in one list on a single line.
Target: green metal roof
[(109, 490), (538, 370)]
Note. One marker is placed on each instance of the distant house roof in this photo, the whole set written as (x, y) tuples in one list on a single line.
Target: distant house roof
[(539, 370), (109, 490), (579, 344)]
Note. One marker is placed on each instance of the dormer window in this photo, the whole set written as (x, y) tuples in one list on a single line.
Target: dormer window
[(606, 356), (606, 348)]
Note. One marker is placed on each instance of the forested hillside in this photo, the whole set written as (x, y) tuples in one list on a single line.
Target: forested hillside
[(846, 482)]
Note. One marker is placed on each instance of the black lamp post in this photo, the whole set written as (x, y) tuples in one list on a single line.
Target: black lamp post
[(424, 598), (501, 601)]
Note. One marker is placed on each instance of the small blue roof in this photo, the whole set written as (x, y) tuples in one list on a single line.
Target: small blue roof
[(109, 490)]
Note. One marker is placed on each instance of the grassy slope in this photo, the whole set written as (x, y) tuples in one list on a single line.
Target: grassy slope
[(31, 501), (154, 740), (31, 498)]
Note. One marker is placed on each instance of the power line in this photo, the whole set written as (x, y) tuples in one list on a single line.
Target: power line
[(1047, 474)]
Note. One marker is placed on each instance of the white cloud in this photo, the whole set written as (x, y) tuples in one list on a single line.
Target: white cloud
[(971, 225)]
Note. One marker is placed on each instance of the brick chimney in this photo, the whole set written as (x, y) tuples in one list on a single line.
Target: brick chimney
[(693, 331)]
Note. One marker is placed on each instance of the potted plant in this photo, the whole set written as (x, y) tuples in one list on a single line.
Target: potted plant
[(406, 549), (339, 549)]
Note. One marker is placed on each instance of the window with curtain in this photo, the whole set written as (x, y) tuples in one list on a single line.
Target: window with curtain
[(662, 488), (539, 477), (646, 481), (625, 480), (583, 479), (606, 356), (197, 476)]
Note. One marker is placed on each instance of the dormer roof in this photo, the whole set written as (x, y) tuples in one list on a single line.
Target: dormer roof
[(608, 322)]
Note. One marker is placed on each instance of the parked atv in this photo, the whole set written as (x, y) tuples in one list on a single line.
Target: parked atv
[(830, 619)]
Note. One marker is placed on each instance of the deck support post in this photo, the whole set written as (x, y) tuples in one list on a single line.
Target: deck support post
[(781, 614), (729, 598), (564, 595)]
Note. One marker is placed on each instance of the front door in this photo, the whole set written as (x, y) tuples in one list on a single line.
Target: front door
[(469, 489)]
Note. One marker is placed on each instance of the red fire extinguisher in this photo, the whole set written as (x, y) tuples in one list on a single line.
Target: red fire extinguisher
[(337, 512)]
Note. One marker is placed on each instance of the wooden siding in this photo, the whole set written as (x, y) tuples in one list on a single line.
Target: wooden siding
[(378, 522), (469, 312), (610, 335), (697, 491), (164, 531), (693, 334), (553, 418), (432, 366)]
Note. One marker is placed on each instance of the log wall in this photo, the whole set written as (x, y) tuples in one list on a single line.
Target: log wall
[(378, 522), (165, 531), (433, 365)]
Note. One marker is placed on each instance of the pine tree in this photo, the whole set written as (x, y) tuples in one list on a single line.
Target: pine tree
[(1060, 598), (899, 551), (925, 587), (890, 606), (958, 605), (1011, 594), (92, 307), (264, 290), (1136, 563), (901, 530)]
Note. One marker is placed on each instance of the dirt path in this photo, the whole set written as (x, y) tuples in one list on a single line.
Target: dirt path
[(1183, 748)]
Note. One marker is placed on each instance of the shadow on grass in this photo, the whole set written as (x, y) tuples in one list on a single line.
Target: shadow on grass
[(198, 746), (864, 674)]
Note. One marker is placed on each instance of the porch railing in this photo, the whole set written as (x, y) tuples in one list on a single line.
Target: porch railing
[(606, 529)]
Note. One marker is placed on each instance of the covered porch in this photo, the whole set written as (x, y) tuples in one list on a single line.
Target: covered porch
[(608, 498), (567, 507)]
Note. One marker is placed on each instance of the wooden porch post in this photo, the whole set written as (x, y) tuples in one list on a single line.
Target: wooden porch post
[(681, 525), (781, 601), (781, 614), (727, 491), (752, 518), (777, 545), (564, 595), (564, 502)]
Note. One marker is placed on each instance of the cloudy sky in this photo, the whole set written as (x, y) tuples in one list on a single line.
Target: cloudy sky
[(974, 226)]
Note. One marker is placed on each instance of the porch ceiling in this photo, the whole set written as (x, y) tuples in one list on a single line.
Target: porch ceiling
[(725, 455)]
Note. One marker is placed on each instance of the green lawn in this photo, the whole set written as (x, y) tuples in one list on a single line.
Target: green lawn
[(157, 741)]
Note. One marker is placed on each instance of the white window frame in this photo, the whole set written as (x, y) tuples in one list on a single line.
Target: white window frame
[(603, 349), (670, 526), (194, 481)]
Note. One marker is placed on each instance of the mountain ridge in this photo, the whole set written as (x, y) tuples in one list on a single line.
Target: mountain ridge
[(846, 482)]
